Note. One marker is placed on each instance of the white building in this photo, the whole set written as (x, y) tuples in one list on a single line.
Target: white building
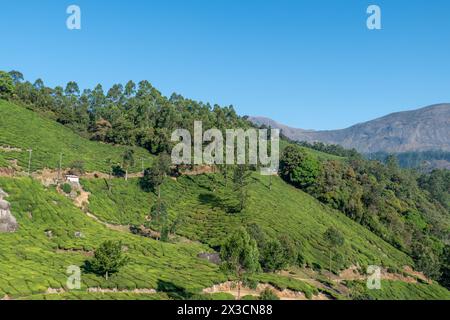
[(73, 179)]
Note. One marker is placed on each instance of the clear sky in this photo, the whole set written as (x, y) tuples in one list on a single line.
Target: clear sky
[(307, 63)]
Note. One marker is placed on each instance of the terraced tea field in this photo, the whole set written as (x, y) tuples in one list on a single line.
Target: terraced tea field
[(23, 129), (31, 262), (203, 200), (54, 233)]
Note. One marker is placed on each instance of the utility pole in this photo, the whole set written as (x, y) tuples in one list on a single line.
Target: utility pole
[(29, 161), (142, 165), (60, 165)]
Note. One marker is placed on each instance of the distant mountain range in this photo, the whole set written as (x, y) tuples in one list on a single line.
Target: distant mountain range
[(410, 131)]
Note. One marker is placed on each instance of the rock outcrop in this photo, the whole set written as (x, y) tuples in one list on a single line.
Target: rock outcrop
[(7, 221)]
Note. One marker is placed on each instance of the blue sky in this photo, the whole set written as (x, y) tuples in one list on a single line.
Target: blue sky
[(310, 64)]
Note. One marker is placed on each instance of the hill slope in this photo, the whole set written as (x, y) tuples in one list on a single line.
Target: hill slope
[(33, 262), (282, 210), (22, 129), (418, 130), (202, 203)]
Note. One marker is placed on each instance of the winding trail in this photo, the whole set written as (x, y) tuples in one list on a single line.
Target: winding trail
[(82, 202)]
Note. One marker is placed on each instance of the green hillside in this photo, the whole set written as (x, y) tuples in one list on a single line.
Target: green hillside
[(31, 262), (399, 290), (24, 129), (35, 258), (282, 210)]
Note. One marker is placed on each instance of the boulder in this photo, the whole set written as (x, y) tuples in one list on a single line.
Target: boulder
[(3, 194), (4, 205), (7, 221), (210, 257)]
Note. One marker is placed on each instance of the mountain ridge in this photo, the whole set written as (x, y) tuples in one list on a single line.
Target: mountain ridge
[(422, 129)]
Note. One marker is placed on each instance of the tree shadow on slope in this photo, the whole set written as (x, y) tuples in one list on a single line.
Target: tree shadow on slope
[(174, 291), (227, 204)]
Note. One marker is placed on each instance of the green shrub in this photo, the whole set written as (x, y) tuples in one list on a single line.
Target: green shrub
[(67, 188), (118, 171), (268, 294), (221, 296), (251, 283), (308, 295)]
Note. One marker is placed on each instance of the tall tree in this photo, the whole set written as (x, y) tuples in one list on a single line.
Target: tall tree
[(335, 239), (153, 179), (241, 180), (108, 258), (115, 94), (130, 89), (6, 85), (298, 167), (39, 84), (240, 256), (159, 219), (72, 89), (128, 161), (445, 268), (101, 130), (16, 76)]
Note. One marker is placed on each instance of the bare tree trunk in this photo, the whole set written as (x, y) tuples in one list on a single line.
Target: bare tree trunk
[(109, 180), (226, 178), (239, 290), (239, 283), (106, 275), (59, 168), (159, 211), (330, 264)]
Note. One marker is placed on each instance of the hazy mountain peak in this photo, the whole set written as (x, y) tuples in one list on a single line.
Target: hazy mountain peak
[(416, 130)]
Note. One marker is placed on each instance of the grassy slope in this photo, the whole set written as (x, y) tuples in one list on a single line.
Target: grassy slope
[(397, 290), (282, 210), (315, 153), (30, 262), (24, 129), (122, 296), (125, 204), (97, 296)]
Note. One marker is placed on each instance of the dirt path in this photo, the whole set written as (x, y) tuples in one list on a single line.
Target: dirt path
[(351, 274), (230, 287), (305, 278), (115, 227), (410, 276), (9, 149), (7, 173), (101, 290), (51, 176), (82, 202)]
